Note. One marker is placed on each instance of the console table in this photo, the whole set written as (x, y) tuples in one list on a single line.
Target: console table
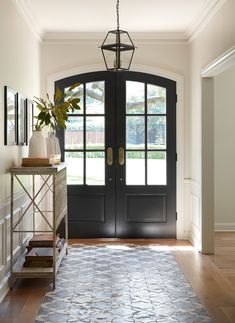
[(51, 188)]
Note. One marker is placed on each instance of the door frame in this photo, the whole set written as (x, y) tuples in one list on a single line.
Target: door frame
[(219, 65), (182, 223)]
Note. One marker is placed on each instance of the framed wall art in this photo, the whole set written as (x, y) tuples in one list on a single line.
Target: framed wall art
[(30, 119), (21, 120), (10, 122)]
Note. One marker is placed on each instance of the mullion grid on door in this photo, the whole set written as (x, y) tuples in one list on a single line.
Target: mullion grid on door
[(146, 150), (152, 115), (76, 116), (85, 151)]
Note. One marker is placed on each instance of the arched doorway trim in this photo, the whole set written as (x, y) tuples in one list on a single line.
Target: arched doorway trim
[(182, 223)]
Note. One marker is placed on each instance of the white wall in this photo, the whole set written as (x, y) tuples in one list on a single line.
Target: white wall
[(224, 150), (217, 37), (19, 69)]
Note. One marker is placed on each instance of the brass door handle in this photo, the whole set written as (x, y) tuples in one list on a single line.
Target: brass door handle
[(110, 156), (121, 156)]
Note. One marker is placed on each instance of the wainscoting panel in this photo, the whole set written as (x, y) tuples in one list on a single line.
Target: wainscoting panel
[(185, 226), (2, 243), (195, 219), (20, 203)]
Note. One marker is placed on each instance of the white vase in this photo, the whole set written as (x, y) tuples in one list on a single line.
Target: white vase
[(53, 147), (37, 145)]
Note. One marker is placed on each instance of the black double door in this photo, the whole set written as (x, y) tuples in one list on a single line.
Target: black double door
[(120, 150)]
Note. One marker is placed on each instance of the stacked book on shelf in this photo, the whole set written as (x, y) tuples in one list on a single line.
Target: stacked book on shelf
[(40, 250)]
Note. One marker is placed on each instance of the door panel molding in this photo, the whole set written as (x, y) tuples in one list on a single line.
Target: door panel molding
[(132, 207), (97, 201)]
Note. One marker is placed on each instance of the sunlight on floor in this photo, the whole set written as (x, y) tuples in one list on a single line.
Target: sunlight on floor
[(169, 248), (152, 247), (118, 247)]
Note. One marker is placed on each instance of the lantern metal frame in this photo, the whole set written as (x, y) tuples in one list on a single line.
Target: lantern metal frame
[(118, 47)]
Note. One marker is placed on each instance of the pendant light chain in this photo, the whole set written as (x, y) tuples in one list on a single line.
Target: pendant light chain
[(117, 48), (117, 8)]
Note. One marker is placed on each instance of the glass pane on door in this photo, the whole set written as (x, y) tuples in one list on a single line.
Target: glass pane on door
[(74, 162), (135, 132), (134, 97), (156, 99), (95, 168), (74, 133), (135, 168), (156, 132), (95, 133), (95, 97), (156, 168)]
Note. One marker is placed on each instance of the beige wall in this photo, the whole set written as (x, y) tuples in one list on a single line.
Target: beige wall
[(20, 70), (217, 37), (224, 149), (61, 56)]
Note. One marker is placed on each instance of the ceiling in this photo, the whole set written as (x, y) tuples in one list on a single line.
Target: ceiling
[(177, 18)]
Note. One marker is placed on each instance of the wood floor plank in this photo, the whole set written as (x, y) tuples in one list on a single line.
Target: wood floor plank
[(229, 311)]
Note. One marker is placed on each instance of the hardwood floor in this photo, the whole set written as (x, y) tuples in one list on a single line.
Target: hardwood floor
[(212, 278), (209, 281)]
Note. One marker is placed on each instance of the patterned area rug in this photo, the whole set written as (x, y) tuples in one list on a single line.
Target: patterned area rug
[(121, 284)]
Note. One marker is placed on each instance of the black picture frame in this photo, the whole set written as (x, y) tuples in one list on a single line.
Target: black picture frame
[(10, 117), (30, 119), (21, 120)]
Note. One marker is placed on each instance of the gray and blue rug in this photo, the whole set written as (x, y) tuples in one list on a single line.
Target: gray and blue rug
[(121, 284)]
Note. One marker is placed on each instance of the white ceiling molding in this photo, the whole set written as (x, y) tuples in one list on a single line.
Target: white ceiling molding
[(94, 38), (220, 64), (207, 13), (29, 19)]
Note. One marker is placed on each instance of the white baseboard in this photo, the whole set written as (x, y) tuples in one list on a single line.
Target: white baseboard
[(224, 226)]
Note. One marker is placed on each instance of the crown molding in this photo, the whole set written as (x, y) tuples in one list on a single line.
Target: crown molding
[(206, 14), (26, 14), (98, 37), (220, 64)]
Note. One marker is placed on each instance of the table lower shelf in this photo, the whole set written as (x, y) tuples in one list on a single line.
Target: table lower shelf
[(19, 271)]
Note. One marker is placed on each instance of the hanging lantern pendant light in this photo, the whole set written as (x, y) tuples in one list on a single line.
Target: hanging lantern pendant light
[(117, 48)]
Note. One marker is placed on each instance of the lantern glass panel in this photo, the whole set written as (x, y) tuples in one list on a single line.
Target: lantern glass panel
[(125, 39), (110, 58), (126, 58), (111, 39)]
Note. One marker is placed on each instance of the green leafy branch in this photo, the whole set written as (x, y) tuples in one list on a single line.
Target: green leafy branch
[(56, 114)]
